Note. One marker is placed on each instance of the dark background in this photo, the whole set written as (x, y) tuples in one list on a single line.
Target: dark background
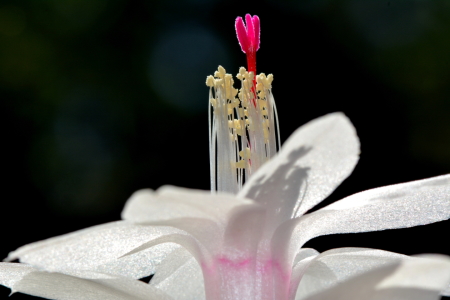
[(101, 98)]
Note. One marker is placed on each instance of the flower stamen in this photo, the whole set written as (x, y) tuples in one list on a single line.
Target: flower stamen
[(243, 128)]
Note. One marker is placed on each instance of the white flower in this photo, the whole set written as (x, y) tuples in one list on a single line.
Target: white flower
[(248, 244)]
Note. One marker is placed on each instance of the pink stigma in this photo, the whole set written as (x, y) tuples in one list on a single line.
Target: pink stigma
[(248, 37)]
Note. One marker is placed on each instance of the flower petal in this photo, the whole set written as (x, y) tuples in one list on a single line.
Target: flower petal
[(201, 214), (180, 266), (412, 279), (98, 249), (243, 232), (320, 272), (169, 202), (185, 240), (11, 273), (311, 164), (396, 206), (304, 253), (26, 279), (203, 236), (302, 261)]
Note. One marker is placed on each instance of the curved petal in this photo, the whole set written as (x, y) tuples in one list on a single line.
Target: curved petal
[(168, 203), (11, 273), (302, 261), (203, 215), (297, 274), (411, 279), (311, 164), (98, 249), (205, 233), (187, 241), (180, 266), (243, 232), (304, 253), (26, 279), (396, 206), (332, 267)]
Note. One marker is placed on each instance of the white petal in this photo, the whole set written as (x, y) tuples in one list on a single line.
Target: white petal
[(199, 213), (168, 203), (204, 234), (180, 277), (412, 279), (243, 232), (68, 287), (183, 239), (305, 253), (311, 164), (173, 261), (396, 206), (98, 248), (10, 273), (320, 272), (302, 261)]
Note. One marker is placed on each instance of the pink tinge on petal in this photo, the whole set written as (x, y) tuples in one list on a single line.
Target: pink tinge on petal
[(240, 278), (256, 28), (241, 33), (266, 267), (234, 264), (273, 266)]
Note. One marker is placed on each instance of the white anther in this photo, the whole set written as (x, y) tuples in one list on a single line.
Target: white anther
[(262, 103), (240, 164), (241, 112), (259, 86), (245, 154), (238, 125), (262, 94), (210, 81), (266, 132), (221, 72)]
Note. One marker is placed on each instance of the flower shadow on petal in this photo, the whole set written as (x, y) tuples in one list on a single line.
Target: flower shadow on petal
[(244, 230), (280, 192)]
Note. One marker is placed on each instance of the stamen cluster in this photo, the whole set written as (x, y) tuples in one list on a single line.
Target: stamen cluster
[(243, 128)]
